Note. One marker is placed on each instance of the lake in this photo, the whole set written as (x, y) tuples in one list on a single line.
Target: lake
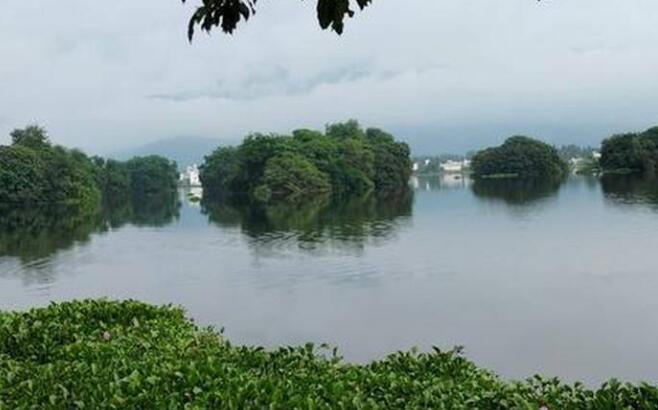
[(529, 277)]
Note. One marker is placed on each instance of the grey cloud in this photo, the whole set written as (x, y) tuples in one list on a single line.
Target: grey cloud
[(105, 83), (271, 81)]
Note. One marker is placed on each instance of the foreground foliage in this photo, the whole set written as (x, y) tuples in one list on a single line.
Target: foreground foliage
[(345, 159), (226, 14), (129, 355)]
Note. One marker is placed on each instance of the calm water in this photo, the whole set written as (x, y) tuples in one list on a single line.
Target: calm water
[(530, 278)]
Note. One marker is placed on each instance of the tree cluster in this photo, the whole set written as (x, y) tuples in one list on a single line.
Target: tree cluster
[(519, 156), (632, 152), (137, 177), (34, 171), (344, 159)]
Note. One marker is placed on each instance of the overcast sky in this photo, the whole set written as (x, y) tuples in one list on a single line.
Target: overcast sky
[(446, 75)]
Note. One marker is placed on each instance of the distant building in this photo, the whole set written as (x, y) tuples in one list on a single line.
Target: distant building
[(190, 177), (596, 155), (452, 166)]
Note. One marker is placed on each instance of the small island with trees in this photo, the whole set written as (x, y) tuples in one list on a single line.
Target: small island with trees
[(519, 157), (345, 159)]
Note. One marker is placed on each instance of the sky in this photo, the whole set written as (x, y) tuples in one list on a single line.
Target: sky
[(444, 75)]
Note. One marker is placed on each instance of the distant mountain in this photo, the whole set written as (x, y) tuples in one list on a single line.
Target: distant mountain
[(184, 150)]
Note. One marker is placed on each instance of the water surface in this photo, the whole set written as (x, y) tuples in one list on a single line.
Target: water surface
[(530, 277)]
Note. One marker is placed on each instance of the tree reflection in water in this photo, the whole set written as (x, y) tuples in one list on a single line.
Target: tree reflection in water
[(34, 234), (518, 192), (319, 225), (630, 190)]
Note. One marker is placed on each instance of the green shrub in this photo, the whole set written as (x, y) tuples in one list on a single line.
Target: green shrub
[(129, 355)]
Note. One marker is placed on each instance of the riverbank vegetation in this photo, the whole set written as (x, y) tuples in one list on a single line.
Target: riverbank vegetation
[(521, 157), (631, 152), (33, 171), (345, 159), (130, 355)]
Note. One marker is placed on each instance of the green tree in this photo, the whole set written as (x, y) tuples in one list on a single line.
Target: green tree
[(226, 14), (113, 179), (32, 136), (21, 175), (521, 157), (290, 176), (631, 152), (345, 156), (34, 171), (152, 174), (392, 160), (220, 171)]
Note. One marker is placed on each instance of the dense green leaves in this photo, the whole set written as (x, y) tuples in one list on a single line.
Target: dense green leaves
[(33, 171), (152, 175), (31, 136), (129, 355), (345, 159), (631, 152), (290, 175), (519, 157), (226, 14)]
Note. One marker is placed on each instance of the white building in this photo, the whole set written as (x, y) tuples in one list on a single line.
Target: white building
[(451, 166), (191, 176)]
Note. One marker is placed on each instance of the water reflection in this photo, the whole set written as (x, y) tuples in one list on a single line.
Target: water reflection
[(317, 225), (554, 291), (630, 190), (440, 182), (517, 192), (33, 234)]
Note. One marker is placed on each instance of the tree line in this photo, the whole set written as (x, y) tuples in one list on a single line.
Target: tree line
[(35, 171), (344, 159)]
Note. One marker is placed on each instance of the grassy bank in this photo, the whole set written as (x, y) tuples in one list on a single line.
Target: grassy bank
[(101, 354)]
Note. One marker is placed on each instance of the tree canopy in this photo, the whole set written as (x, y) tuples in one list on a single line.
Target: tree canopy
[(226, 14), (519, 156), (631, 152), (34, 171), (344, 159)]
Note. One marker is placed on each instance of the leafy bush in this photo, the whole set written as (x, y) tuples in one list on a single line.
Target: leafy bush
[(520, 157), (129, 355)]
